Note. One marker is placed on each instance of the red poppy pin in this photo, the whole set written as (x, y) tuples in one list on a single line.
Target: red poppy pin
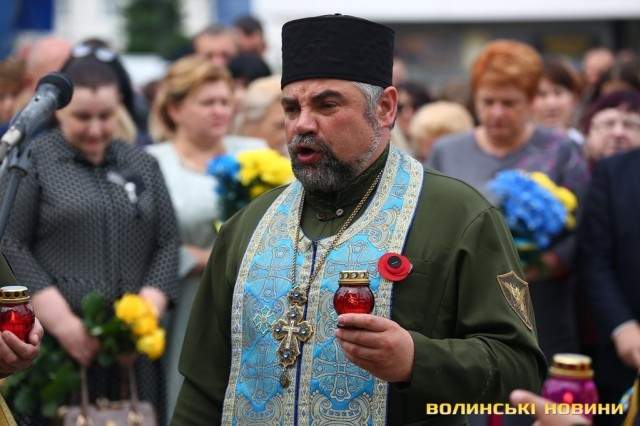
[(394, 267)]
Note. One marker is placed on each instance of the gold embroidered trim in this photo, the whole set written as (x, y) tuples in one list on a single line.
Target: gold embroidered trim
[(516, 292), (229, 408)]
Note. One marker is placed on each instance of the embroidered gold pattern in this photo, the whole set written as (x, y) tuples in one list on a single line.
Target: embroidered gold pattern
[(516, 291), (323, 414), (297, 296)]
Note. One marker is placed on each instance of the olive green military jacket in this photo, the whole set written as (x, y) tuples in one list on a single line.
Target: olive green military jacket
[(474, 337)]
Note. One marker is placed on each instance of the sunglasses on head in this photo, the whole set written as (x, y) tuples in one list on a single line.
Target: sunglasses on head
[(101, 53)]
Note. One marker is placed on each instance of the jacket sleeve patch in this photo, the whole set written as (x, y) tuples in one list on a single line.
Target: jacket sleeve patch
[(516, 291)]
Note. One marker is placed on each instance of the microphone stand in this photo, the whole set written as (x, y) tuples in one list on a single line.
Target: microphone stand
[(18, 165)]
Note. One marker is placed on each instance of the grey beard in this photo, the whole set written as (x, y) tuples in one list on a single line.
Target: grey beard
[(330, 174), (327, 175)]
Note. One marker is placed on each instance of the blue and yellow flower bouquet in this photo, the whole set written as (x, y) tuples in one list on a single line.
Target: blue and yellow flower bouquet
[(243, 177), (537, 211)]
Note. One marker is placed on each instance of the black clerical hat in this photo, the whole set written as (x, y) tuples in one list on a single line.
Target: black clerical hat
[(337, 46)]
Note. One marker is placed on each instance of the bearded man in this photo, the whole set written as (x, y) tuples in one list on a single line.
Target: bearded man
[(452, 320)]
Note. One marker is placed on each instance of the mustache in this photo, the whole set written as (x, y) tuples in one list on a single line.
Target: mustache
[(309, 142)]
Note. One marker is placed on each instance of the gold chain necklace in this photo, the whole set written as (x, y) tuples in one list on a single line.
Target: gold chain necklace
[(291, 330)]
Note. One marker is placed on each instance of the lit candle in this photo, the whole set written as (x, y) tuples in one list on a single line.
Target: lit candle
[(354, 294), (16, 312)]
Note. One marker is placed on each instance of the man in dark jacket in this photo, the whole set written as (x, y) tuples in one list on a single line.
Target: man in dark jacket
[(609, 258)]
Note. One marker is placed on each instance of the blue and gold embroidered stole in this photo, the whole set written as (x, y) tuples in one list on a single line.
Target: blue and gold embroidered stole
[(326, 387)]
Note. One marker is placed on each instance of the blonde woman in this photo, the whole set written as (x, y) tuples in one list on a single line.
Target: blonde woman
[(435, 120), (192, 113), (261, 114)]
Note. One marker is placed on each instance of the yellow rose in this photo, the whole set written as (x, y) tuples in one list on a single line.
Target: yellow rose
[(131, 307), (144, 325), (152, 345)]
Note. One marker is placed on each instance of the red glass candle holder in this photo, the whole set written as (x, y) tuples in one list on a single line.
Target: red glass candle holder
[(354, 294), (570, 380), (16, 312)]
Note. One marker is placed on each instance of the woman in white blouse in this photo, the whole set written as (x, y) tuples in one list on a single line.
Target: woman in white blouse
[(192, 112)]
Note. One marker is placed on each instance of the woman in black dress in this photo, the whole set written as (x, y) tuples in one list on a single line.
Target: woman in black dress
[(93, 214)]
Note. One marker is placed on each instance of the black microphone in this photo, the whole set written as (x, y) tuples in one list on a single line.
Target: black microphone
[(53, 92)]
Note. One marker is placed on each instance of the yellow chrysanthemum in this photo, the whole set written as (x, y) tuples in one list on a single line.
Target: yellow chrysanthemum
[(152, 344), (257, 189), (562, 194), (249, 166), (277, 172), (566, 197), (144, 325), (268, 166), (543, 180), (248, 174), (131, 307)]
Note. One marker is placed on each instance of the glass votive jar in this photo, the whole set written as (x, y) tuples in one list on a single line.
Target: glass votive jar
[(570, 380), (353, 294), (16, 311)]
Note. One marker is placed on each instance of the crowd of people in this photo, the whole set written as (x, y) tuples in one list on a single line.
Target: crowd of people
[(77, 225)]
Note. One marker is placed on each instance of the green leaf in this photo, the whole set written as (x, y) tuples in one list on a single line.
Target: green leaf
[(46, 384), (96, 331), (154, 26), (105, 360), (25, 401), (50, 409), (93, 308), (114, 327), (63, 381), (15, 379)]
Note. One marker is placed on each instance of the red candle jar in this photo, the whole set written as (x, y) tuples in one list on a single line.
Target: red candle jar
[(16, 312), (354, 294), (570, 380)]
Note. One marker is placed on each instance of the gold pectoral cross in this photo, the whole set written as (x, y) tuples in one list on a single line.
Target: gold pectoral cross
[(290, 331)]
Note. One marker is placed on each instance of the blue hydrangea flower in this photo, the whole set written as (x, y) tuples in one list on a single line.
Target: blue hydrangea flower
[(224, 167), (531, 211), (233, 195)]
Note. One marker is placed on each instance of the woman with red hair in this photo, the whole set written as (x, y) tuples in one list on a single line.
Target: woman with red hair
[(505, 80)]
